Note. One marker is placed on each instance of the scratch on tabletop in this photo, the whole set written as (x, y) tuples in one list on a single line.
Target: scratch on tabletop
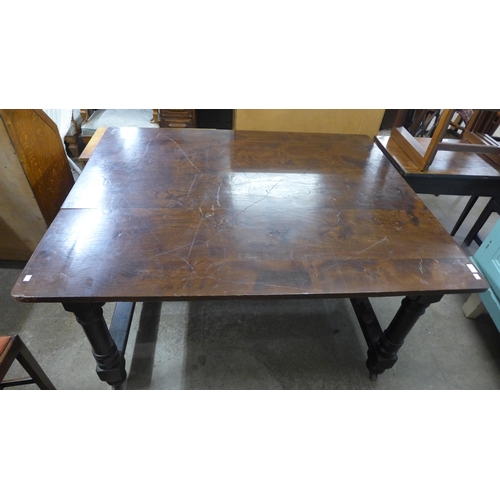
[(185, 155), (218, 193), (194, 237)]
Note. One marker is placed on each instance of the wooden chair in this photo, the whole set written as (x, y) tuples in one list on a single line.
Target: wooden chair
[(423, 122), (475, 138), (459, 123), (12, 348)]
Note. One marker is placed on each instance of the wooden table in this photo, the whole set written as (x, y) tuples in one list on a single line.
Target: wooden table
[(161, 215)]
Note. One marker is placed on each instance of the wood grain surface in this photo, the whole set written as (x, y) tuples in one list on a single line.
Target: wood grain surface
[(40, 149), (329, 121), (21, 222), (163, 214)]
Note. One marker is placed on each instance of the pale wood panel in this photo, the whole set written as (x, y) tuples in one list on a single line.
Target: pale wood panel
[(332, 121), (21, 222), (91, 145), (40, 150)]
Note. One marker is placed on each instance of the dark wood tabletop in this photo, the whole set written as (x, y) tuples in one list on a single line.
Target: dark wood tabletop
[(161, 214)]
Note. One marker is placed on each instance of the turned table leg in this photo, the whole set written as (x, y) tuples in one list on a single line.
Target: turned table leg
[(383, 354), (110, 362)]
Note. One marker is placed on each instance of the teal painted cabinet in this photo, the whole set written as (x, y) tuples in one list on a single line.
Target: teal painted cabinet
[(487, 259)]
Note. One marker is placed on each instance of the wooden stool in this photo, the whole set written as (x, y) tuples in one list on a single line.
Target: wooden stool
[(12, 348)]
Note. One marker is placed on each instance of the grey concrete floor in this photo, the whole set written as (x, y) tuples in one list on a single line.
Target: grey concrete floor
[(266, 344)]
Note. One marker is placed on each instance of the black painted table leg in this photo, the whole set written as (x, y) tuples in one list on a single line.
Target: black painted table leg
[(110, 363), (492, 206), (464, 214), (383, 354)]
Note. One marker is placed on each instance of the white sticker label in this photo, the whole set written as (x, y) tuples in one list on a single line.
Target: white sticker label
[(472, 268), (27, 277), (477, 276)]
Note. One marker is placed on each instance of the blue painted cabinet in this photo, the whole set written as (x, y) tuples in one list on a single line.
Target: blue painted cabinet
[(487, 259)]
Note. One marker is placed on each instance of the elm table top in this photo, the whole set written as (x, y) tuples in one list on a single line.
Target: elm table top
[(161, 214)]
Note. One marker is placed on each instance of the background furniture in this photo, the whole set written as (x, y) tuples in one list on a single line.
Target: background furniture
[(177, 118), (67, 124), (421, 122), (460, 121), (221, 119), (470, 166), (72, 136), (463, 215), (35, 178), (423, 152), (13, 348), (487, 260), (330, 121), (493, 206), (452, 172)]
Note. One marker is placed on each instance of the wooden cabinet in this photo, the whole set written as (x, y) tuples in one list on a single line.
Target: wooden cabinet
[(35, 178), (177, 118), (487, 259)]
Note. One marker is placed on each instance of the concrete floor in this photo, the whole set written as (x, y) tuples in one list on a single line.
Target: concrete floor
[(274, 344)]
